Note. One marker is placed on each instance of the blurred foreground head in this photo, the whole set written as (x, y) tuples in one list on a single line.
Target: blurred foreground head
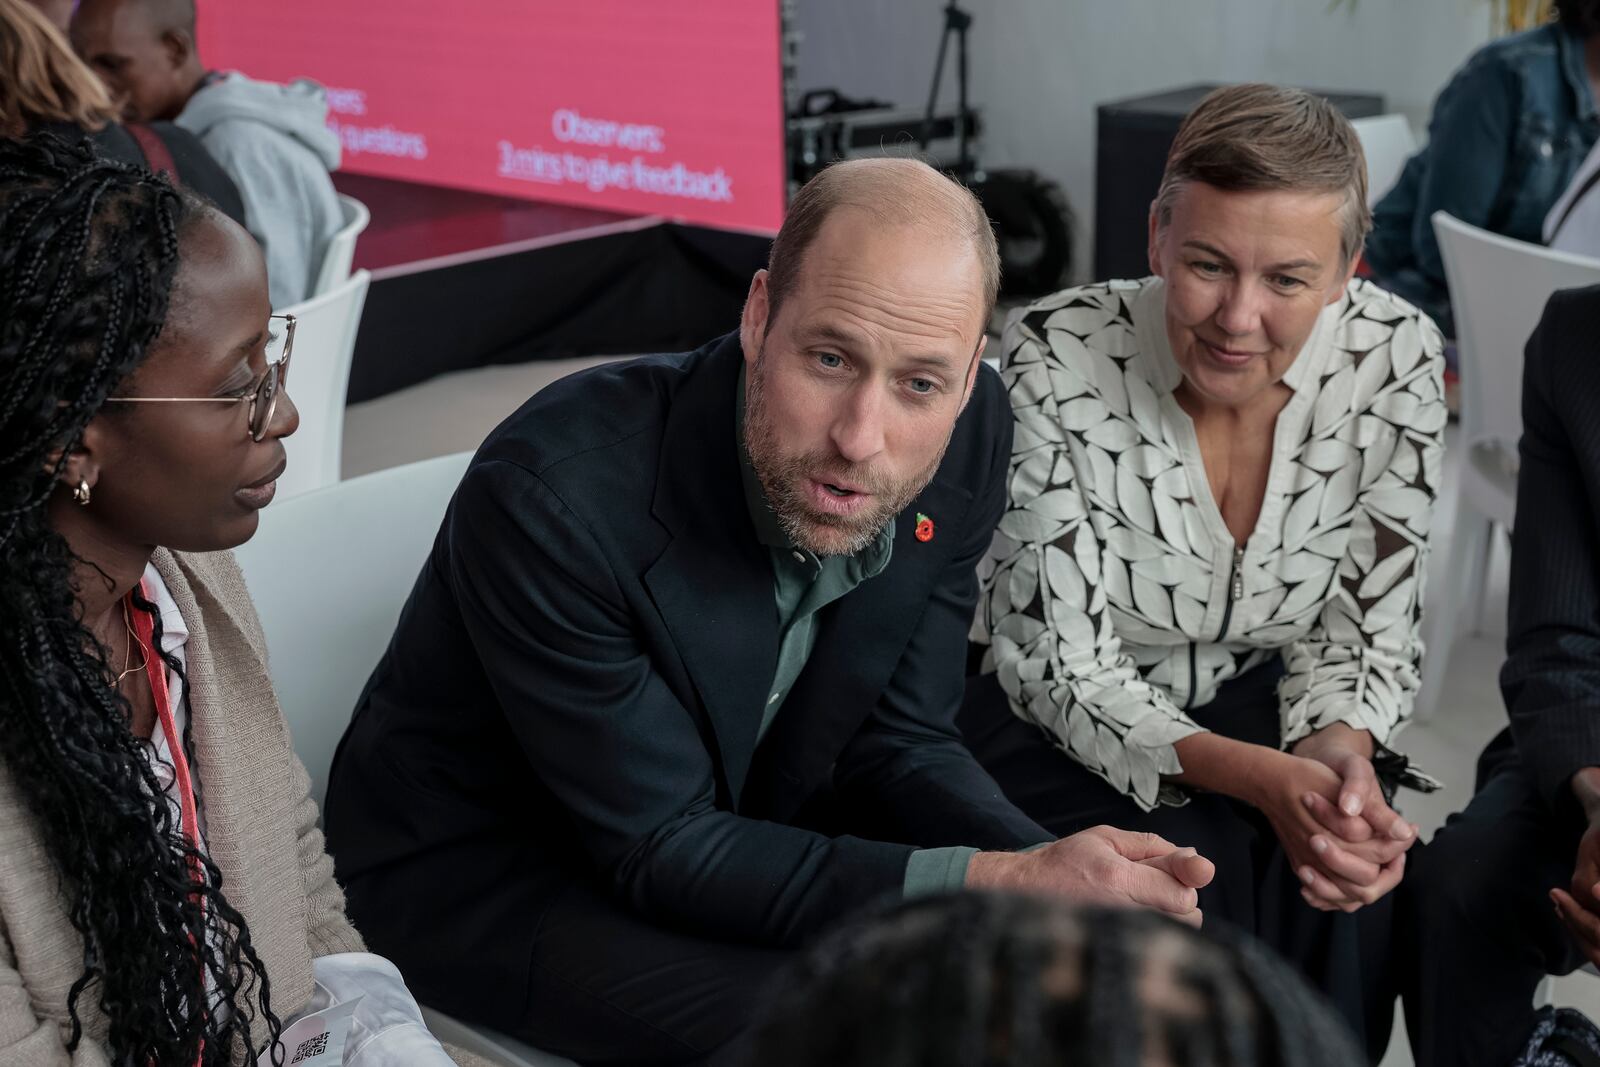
[(1000, 980)]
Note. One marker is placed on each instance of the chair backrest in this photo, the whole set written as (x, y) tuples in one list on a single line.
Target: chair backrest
[(1387, 142), (329, 572), (319, 377), (341, 252), (1498, 290)]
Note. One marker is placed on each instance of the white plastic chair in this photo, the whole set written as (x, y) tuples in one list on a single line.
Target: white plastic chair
[(341, 251), (1387, 142), (319, 377), (1498, 290), (329, 572)]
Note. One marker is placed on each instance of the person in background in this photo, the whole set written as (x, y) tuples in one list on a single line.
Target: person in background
[(1507, 134), (1508, 890), (1004, 980), (676, 687), (57, 12), (272, 139), (1573, 225), (43, 86), (164, 893), (1203, 603)]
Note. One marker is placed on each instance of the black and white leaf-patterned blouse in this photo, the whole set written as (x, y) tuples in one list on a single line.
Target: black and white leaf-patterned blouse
[(1114, 595)]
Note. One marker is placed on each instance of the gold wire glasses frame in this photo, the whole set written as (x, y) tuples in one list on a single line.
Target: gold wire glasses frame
[(263, 394)]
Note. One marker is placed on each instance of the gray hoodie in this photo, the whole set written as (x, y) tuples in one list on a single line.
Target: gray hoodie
[(274, 143)]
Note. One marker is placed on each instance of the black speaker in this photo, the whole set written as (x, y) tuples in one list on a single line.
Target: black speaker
[(1033, 226), (1133, 137)]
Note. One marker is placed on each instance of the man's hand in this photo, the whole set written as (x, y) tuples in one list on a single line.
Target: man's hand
[(1103, 865), (1579, 904)]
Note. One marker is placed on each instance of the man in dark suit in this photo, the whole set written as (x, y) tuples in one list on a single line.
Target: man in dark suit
[(1509, 890), (676, 689)]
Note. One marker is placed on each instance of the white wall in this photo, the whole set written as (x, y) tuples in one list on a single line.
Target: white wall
[(1040, 67)]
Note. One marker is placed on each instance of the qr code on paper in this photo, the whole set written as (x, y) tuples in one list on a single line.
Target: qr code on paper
[(315, 1047)]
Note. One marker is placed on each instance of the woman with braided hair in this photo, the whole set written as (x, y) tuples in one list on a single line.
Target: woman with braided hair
[(165, 897), (1003, 980)]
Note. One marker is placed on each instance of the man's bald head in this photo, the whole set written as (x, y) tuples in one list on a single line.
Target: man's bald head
[(144, 50), (160, 16), (892, 192)]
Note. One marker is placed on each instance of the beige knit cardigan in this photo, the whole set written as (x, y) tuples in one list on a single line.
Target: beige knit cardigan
[(261, 831)]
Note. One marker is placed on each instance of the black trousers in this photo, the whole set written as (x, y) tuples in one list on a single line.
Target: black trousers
[(607, 987), (1475, 931), (1255, 886)]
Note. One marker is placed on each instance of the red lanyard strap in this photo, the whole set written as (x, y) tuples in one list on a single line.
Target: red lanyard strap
[(156, 668)]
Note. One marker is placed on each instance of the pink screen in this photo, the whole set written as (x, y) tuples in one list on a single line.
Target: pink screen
[(650, 107)]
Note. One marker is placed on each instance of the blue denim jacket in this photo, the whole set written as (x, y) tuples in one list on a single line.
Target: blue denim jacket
[(1507, 135)]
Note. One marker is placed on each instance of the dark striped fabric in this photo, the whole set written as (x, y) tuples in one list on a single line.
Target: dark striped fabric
[(1551, 679)]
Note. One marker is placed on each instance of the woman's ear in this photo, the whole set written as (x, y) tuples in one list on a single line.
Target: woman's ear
[(82, 466), (1342, 282), (1153, 245)]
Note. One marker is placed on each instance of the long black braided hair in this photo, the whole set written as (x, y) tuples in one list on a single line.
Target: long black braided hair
[(1007, 980), (88, 253)]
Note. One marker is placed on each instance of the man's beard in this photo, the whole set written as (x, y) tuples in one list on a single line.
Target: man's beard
[(786, 478)]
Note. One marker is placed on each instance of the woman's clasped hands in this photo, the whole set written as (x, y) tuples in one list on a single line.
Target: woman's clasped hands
[(1347, 845)]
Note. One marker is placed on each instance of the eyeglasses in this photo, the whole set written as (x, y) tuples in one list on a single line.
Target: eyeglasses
[(263, 393)]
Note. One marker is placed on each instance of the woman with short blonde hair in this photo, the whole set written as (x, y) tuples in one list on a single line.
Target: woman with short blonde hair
[(1202, 605)]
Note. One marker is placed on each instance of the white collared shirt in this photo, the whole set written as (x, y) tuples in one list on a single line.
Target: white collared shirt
[(174, 640)]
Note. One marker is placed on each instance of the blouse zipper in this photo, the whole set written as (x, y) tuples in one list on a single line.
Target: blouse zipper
[(1235, 589), (1235, 592), (1194, 676)]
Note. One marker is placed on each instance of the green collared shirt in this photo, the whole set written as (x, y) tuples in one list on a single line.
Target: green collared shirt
[(803, 584)]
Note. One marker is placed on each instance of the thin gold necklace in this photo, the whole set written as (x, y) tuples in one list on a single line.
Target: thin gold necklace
[(133, 639)]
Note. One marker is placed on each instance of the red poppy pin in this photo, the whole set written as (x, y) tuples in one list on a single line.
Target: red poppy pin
[(924, 527)]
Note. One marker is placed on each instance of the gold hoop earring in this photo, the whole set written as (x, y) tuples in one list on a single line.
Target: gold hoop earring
[(81, 494)]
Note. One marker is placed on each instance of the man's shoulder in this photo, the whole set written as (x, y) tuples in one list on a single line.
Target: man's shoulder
[(1513, 56), (1575, 307), (988, 406), (247, 136), (602, 422), (239, 119), (1536, 44), (1567, 329), (259, 156), (982, 437)]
